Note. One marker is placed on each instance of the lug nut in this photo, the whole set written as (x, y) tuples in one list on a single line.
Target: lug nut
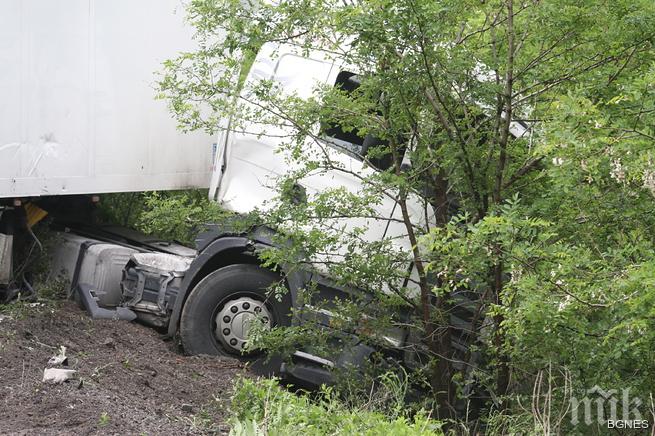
[(246, 306), (226, 318), (226, 332), (234, 309), (258, 309), (233, 342)]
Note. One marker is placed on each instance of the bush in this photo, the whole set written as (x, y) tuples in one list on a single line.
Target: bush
[(263, 407), (176, 215)]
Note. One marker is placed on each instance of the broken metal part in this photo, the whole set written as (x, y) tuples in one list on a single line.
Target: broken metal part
[(151, 283), (90, 303)]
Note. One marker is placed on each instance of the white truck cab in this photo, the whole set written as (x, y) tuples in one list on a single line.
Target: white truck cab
[(248, 164)]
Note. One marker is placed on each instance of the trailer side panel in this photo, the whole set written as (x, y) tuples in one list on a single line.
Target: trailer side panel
[(78, 112)]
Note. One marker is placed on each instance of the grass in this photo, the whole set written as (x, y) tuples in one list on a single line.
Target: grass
[(263, 407), (104, 419), (19, 309), (203, 421)]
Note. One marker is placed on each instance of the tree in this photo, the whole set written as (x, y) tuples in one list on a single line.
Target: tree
[(491, 102)]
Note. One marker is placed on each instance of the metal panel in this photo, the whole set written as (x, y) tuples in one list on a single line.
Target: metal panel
[(101, 267), (6, 244), (77, 100)]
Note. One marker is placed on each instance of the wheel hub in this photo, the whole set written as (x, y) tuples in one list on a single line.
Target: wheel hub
[(234, 320)]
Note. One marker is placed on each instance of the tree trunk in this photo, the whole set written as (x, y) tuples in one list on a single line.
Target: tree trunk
[(439, 333)]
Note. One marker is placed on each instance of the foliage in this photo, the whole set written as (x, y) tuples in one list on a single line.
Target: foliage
[(174, 215), (527, 202), (178, 216), (263, 407), (123, 208), (32, 273), (104, 419)]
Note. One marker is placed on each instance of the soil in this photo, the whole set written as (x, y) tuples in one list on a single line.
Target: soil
[(128, 379)]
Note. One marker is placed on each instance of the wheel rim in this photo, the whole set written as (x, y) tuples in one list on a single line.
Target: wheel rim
[(234, 320)]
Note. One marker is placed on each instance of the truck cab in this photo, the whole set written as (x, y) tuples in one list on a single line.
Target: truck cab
[(249, 161)]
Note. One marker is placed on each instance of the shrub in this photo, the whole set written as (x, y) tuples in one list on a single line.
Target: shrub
[(176, 215), (263, 407)]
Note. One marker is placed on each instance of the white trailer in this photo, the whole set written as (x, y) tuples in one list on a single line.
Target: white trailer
[(78, 113)]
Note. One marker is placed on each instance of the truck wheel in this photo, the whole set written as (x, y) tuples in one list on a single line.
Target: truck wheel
[(216, 316)]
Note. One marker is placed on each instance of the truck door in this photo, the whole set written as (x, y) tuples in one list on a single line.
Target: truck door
[(348, 151), (247, 161)]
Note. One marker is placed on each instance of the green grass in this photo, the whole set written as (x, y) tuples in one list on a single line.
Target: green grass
[(263, 407), (104, 419)]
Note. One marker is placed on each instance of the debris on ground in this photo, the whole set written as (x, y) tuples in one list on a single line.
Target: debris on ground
[(60, 358), (57, 375), (131, 381)]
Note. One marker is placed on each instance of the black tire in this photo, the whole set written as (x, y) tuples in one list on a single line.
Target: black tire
[(198, 320)]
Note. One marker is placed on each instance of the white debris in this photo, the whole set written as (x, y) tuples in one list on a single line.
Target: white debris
[(60, 358), (56, 375)]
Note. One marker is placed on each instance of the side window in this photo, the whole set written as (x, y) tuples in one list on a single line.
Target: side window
[(299, 74), (350, 142)]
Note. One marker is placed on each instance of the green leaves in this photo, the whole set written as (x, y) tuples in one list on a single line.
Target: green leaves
[(263, 406), (178, 215)]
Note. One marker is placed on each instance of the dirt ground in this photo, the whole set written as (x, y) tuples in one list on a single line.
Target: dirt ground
[(128, 380)]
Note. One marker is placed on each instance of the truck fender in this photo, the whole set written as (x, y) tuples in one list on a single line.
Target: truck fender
[(238, 244)]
